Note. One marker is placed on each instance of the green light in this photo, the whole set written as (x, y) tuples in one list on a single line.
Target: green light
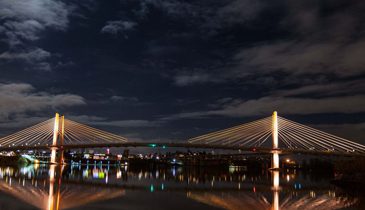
[(162, 186), (152, 145), (101, 175), (163, 147), (152, 188)]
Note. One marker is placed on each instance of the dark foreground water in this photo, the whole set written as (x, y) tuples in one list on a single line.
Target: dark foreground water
[(95, 187)]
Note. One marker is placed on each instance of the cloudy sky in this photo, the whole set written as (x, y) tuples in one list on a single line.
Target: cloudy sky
[(172, 69)]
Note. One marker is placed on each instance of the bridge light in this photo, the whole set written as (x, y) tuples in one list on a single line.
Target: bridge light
[(152, 188), (164, 147), (152, 145)]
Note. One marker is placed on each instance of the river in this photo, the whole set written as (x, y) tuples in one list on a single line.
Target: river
[(95, 187)]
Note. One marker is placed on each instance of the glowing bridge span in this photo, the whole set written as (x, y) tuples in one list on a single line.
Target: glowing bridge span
[(286, 136)]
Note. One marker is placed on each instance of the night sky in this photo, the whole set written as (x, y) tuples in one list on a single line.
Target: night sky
[(167, 70)]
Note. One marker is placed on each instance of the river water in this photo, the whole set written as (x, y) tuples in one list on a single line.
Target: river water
[(96, 187)]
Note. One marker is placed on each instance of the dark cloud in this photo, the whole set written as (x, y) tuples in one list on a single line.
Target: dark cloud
[(104, 122), (340, 97), (35, 58), (30, 56), (185, 78), (124, 99), (331, 43), (284, 105), (307, 57), (128, 123), (231, 14), (321, 39), (23, 22), (118, 27), (353, 87), (20, 98)]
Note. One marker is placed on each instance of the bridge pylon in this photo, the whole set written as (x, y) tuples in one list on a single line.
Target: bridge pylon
[(58, 139), (275, 141)]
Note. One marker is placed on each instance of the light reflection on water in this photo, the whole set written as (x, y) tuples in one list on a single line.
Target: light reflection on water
[(65, 187)]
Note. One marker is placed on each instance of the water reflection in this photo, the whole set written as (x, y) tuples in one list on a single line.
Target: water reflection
[(275, 188), (55, 187), (306, 199), (33, 187)]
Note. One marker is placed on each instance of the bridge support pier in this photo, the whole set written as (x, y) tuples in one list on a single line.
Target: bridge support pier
[(275, 161)]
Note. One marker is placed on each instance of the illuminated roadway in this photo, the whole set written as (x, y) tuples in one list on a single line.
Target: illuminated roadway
[(258, 150)]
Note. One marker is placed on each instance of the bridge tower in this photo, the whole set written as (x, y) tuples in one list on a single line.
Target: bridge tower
[(58, 138), (62, 138), (275, 141)]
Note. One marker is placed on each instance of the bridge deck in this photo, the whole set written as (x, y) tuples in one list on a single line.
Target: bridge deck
[(184, 145)]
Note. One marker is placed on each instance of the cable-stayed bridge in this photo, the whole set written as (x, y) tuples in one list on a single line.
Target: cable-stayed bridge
[(275, 135)]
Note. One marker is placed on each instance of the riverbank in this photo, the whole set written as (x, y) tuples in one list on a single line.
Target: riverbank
[(9, 160), (13, 160)]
